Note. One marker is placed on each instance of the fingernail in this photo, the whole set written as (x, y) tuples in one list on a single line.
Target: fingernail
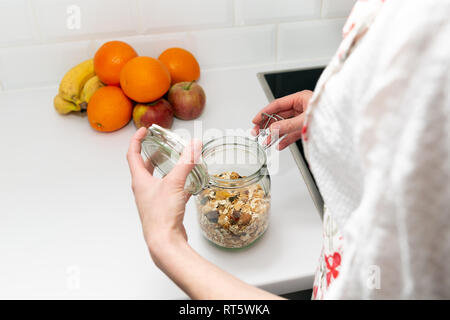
[(197, 147), (196, 143), (144, 129)]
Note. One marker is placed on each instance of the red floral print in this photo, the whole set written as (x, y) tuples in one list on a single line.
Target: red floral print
[(332, 266)]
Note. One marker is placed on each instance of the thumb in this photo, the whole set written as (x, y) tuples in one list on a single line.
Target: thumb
[(189, 158)]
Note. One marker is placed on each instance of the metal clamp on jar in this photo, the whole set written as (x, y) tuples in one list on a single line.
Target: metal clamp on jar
[(231, 183)]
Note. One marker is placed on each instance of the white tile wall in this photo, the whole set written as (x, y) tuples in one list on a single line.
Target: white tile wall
[(97, 17), (16, 25), (259, 11), (309, 40), (37, 47), (235, 46), (172, 14), (337, 8), (23, 67)]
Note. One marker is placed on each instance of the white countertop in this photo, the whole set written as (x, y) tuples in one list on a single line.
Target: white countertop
[(69, 228)]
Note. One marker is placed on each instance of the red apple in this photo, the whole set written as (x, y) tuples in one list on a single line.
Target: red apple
[(187, 99), (159, 112)]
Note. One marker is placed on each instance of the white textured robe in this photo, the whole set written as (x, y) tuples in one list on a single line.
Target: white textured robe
[(378, 143)]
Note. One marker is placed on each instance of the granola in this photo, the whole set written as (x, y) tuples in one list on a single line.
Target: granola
[(233, 218)]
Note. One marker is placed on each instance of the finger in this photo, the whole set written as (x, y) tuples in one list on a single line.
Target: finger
[(284, 114), (276, 136), (278, 105), (293, 101), (297, 101), (135, 161), (255, 130), (189, 158), (268, 140), (287, 126), (290, 138)]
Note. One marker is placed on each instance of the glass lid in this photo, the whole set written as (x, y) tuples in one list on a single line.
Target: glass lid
[(163, 147)]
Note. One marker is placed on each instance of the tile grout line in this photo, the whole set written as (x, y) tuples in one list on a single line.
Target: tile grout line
[(233, 13), (321, 8), (138, 11), (156, 33), (277, 31), (37, 34)]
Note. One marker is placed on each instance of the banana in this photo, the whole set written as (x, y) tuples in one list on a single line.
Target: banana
[(64, 106), (74, 81), (92, 85)]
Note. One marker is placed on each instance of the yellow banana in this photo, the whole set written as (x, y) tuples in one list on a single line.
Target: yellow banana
[(64, 106), (92, 85), (74, 81)]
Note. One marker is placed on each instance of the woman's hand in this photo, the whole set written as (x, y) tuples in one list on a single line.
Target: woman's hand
[(161, 202), (292, 108)]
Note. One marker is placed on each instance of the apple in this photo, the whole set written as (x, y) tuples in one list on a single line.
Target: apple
[(187, 99), (159, 112)]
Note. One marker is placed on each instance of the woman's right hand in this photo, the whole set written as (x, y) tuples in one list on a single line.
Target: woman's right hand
[(291, 108)]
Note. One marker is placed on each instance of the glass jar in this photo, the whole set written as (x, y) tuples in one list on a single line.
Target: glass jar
[(231, 184)]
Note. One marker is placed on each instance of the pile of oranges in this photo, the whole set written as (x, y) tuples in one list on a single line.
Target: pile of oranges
[(131, 78)]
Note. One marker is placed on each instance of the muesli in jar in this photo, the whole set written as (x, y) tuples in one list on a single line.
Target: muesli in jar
[(234, 217)]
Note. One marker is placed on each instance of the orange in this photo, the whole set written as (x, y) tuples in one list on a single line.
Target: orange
[(110, 59), (109, 109), (144, 79), (181, 64)]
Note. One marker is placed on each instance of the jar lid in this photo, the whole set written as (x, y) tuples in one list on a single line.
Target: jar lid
[(163, 148)]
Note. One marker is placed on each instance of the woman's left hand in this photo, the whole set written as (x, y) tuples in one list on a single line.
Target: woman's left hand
[(161, 202)]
